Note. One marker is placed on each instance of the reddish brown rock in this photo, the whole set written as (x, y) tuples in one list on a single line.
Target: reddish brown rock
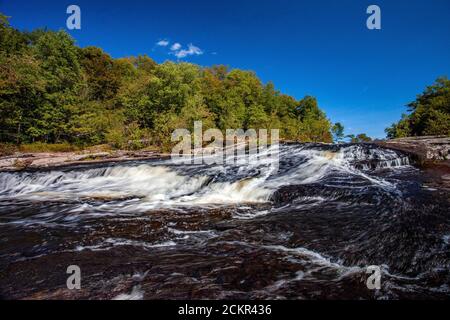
[(429, 148)]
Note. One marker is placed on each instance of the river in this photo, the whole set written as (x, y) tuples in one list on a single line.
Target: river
[(160, 229)]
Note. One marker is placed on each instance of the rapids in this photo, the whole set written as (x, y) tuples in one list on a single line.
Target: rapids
[(305, 229)]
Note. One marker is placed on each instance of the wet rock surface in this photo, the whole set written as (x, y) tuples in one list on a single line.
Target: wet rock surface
[(51, 160), (431, 154), (182, 232), (428, 148)]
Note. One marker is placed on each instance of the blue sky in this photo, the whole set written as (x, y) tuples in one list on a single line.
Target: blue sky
[(362, 78)]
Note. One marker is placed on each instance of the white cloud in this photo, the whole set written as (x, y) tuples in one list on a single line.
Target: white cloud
[(192, 50), (178, 50), (176, 46), (163, 43)]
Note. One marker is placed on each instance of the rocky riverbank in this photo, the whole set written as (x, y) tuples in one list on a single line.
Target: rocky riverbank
[(42, 160), (431, 154), (173, 231), (423, 149)]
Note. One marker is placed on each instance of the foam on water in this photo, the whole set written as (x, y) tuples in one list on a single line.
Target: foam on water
[(323, 214), (149, 185)]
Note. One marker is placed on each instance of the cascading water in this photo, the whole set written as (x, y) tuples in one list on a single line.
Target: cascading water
[(306, 230)]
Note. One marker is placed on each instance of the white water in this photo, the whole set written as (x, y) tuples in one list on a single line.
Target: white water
[(150, 185)]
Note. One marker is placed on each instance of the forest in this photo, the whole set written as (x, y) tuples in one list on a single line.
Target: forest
[(429, 114), (54, 92)]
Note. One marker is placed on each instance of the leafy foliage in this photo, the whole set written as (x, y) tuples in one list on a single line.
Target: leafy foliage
[(359, 138), (429, 113), (52, 91), (338, 132)]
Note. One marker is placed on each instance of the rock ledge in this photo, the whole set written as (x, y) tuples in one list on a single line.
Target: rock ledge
[(423, 149)]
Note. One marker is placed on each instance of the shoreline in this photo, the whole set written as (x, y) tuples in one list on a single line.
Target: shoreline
[(436, 171), (35, 161), (430, 154)]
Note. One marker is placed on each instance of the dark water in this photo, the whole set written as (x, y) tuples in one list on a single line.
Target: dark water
[(159, 230)]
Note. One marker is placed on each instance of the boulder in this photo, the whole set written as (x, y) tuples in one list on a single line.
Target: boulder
[(423, 149)]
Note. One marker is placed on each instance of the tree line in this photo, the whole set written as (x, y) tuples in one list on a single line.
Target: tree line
[(53, 91), (429, 114)]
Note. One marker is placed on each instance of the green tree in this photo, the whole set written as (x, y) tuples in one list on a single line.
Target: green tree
[(362, 137), (61, 71), (400, 129), (314, 126), (429, 113), (53, 91), (103, 78), (352, 138), (22, 90), (12, 41), (338, 132)]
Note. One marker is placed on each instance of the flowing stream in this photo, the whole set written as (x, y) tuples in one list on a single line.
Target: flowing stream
[(165, 230)]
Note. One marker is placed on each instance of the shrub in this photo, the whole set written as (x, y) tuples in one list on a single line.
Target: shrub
[(47, 147), (7, 149)]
